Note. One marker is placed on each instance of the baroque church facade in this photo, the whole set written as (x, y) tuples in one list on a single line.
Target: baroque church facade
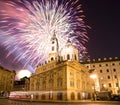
[(63, 77)]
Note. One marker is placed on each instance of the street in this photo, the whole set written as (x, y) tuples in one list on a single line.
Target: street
[(10, 102)]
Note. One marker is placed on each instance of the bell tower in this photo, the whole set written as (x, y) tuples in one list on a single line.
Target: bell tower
[(53, 54)]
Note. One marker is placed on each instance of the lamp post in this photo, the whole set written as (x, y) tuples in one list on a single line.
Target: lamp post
[(94, 76)]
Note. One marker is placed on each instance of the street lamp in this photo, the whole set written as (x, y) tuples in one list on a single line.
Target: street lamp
[(93, 76)]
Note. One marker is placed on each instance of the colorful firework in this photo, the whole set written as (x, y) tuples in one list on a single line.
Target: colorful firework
[(26, 27)]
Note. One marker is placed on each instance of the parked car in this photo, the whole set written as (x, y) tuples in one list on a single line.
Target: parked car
[(115, 98)]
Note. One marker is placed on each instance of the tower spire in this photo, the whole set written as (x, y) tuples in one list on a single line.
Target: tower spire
[(54, 36), (53, 54)]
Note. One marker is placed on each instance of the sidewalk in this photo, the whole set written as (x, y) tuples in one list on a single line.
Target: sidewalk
[(59, 101), (1, 97)]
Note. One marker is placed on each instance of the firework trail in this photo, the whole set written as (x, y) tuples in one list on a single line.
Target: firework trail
[(26, 27)]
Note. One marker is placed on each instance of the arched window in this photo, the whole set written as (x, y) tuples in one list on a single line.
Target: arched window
[(68, 57), (52, 59)]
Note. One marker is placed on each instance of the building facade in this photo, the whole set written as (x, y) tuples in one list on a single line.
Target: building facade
[(63, 77), (22, 85), (6, 80), (108, 73)]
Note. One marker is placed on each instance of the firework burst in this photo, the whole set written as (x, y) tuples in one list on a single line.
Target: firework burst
[(26, 27)]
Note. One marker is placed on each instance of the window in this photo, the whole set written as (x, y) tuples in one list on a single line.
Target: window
[(52, 48), (107, 70), (44, 85), (93, 65), (110, 85), (100, 65), (72, 83), (78, 83), (87, 66), (59, 82), (115, 76), (53, 42), (116, 84), (113, 64), (71, 74), (106, 64), (51, 83), (108, 77), (60, 96), (114, 70), (72, 96), (75, 57), (78, 95), (100, 71), (68, 57), (52, 59)]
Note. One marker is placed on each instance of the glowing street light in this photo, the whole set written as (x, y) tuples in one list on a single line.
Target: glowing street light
[(93, 76)]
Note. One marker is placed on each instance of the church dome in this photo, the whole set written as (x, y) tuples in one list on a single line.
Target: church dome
[(69, 52)]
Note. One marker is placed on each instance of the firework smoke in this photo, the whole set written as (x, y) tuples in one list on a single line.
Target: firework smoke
[(26, 27)]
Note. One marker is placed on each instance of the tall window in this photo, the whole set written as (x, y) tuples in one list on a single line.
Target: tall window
[(100, 71), (116, 84), (52, 48), (72, 83), (78, 96), (68, 57), (75, 57), (108, 77), (72, 96), (115, 76), (44, 85), (51, 82), (59, 82), (107, 70), (114, 70), (110, 85), (78, 83)]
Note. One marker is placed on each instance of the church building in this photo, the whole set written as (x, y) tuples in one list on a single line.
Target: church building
[(63, 77)]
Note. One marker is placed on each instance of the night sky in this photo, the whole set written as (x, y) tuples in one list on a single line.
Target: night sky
[(103, 16)]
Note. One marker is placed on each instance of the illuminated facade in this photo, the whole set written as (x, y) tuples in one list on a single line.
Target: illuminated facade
[(63, 77), (108, 73), (6, 80)]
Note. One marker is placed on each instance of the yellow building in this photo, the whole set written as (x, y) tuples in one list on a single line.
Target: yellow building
[(63, 77), (108, 73), (6, 80)]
